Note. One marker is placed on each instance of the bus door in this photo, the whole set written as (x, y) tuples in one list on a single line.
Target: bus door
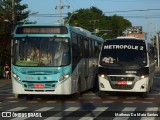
[(86, 62)]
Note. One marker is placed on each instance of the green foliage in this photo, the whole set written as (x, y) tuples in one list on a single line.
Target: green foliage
[(7, 26), (93, 18)]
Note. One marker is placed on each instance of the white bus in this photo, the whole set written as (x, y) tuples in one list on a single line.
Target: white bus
[(126, 65), (53, 59)]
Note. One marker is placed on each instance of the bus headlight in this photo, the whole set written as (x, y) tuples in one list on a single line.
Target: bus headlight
[(143, 76), (62, 78), (16, 77), (103, 76)]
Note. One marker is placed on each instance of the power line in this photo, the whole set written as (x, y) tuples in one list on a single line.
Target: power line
[(133, 10)]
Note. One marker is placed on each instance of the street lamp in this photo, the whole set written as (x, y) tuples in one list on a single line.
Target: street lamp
[(104, 34), (71, 16)]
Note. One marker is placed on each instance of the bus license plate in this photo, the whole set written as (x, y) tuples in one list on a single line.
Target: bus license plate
[(38, 85), (122, 82)]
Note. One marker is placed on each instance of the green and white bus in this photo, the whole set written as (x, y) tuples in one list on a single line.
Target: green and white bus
[(53, 59)]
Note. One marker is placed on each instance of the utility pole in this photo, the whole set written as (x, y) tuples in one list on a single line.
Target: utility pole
[(157, 44), (94, 25), (13, 25), (13, 14), (60, 10)]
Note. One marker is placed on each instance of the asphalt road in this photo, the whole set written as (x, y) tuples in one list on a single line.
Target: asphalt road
[(89, 106)]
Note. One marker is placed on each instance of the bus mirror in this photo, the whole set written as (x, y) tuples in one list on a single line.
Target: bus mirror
[(54, 37)]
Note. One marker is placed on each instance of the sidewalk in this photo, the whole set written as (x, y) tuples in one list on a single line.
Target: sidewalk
[(4, 82)]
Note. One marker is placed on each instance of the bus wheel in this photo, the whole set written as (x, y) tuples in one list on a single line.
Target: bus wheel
[(95, 84), (150, 90), (78, 92), (102, 94)]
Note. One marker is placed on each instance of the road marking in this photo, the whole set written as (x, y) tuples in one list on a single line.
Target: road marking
[(131, 109), (107, 102), (45, 109), (17, 109), (131, 98), (13, 101), (87, 118), (72, 109), (18, 118), (51, 102), (32, 101), (94, 113), (5, 94), (113, 97), (147, 102), (127, 102), (53, 118), (100, 109), (150, 110), (70, 101)]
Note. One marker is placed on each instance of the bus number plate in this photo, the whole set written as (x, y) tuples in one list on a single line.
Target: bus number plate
[(38, 85), (122, 82)]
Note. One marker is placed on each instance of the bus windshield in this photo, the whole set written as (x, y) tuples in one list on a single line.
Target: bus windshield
[(123, 55), (41, 51)]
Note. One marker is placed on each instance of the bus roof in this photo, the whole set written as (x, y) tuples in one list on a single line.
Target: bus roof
[(125, 40), (127, 37), (38, 24), (85, 32), (78, 30)]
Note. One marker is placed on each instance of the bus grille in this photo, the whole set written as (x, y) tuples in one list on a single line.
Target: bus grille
[(47, 84), (115, 79), (122, 87), (118, 78)]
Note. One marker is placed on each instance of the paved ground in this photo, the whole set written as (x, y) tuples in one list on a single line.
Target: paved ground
[(4, 82)]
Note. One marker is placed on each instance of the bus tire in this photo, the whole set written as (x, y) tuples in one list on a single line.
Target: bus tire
[(102, 94), (79, 87), (78, 91), (95, 84), (150, 89)]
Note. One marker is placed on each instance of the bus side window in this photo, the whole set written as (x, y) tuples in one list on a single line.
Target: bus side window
[(75, 50), (90, 48), (96, 49), (93, 49), (80, 46)]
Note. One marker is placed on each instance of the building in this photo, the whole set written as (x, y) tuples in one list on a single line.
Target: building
[(136, 31)]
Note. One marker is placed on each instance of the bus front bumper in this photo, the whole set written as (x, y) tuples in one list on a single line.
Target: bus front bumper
[(139, 86), (63, 88)]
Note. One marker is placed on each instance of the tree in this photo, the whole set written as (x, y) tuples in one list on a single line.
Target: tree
[(6, 26), (93, 18)]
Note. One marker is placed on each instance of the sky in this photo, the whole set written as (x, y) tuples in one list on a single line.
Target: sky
[(145, 13)]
